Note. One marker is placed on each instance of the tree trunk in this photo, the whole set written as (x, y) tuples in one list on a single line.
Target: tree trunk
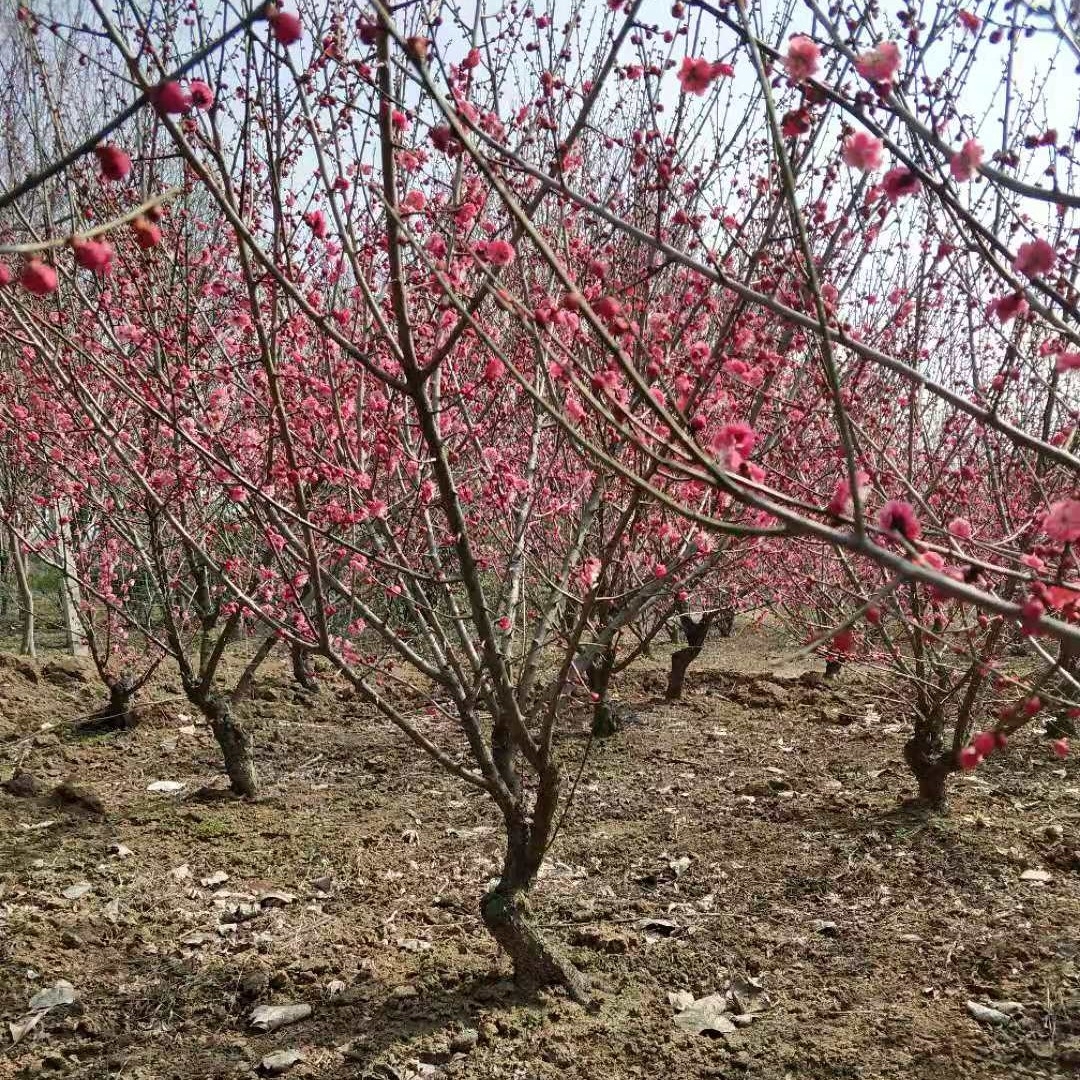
[(681, 659), (725, 621), (115, 716), (505, 912), (931, 767), (28, 645), (599, 677), (70, 594), (235, 745), (302, 669), (833, 669)]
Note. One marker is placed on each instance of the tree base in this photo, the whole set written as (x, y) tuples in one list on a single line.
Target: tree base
[(537, 962), (303, 674), (927, 805), (116, 716), (931, 768), (235, 746), (604, 723)]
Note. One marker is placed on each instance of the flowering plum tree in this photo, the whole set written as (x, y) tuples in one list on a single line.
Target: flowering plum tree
[(472, 343)]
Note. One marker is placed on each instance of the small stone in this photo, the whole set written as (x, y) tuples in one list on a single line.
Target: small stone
[(254, 984), (70, 940), (464, 1042), (281, 1061), (826, 928), (984, 1014)]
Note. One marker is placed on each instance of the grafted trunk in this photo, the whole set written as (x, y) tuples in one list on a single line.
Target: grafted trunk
[(696, 632), (235, 745), (506, 913), (931, 766), (725, 621), (117, 715), (303, 672)]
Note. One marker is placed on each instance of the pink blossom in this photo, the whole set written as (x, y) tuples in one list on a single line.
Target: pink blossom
[(696, 76), (899, 517), (316, 222), (1067, 361), (115, 163), (862, 151), (964, 164), (500, 252), (202, 97), (879, 64), (38, 278), (733, 443), (590, 572), (1062, 523), (971, 23), (960, 528), (842, 502), (900, 182), (285, 26), (1008, 307), (970, 758), (1035, 258), (171, 97), (803, 58), (93, 255), (494, 370)]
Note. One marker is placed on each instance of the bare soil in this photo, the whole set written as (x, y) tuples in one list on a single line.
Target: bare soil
[(868, 928)]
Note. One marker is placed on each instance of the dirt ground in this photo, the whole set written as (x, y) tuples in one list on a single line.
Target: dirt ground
[(752, 832)]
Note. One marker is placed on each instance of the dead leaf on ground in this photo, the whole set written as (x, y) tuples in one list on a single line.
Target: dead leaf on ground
[(706, 1016)]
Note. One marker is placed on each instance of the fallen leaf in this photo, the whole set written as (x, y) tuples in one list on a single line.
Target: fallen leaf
[(78, 890), (680, 866), (21, 1028), (60, 993), (706, 1016), (181, 872), (218, 877)]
